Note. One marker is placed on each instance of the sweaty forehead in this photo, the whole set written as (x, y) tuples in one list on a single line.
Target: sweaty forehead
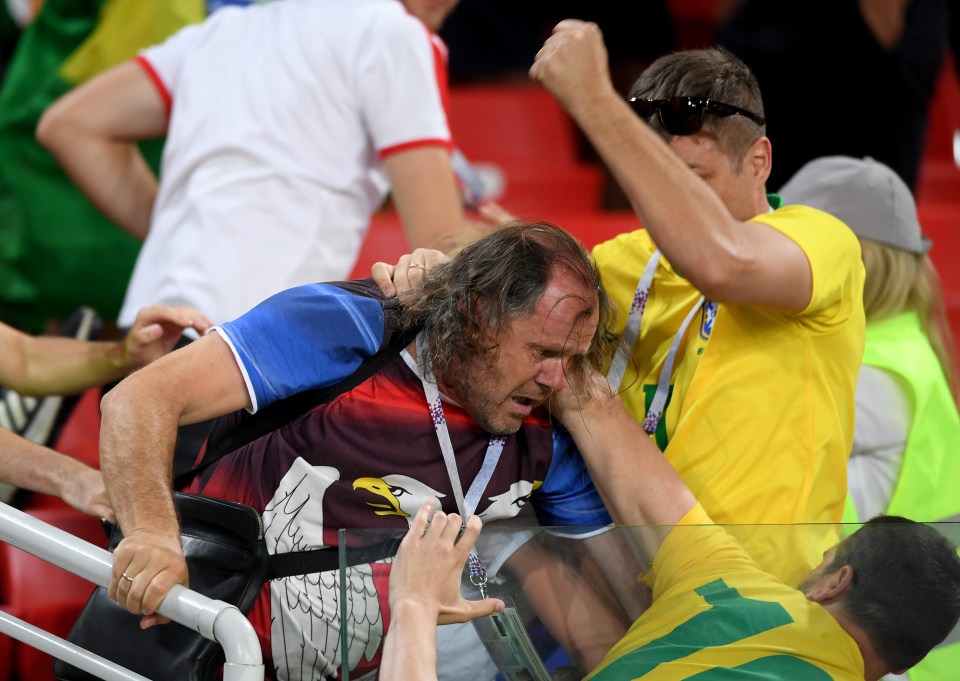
[(568, 307)]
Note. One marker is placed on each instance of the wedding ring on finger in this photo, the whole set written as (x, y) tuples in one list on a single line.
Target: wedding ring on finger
[(417, 266), (127, 577)]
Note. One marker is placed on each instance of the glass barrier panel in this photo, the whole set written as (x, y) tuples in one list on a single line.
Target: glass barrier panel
[(581, 600)]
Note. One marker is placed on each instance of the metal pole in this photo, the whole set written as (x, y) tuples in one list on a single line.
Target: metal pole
[(213, 619), (53, 645)]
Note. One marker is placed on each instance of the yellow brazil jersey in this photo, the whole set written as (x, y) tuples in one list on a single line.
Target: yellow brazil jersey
[(759, 421), (716, 615)]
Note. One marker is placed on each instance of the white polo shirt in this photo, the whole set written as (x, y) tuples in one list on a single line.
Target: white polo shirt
[(279, 118)]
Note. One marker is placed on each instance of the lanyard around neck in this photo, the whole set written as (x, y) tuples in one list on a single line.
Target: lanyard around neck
[(466, 505), (632, 331)]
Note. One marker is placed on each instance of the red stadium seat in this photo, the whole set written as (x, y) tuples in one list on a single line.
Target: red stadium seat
[(80, 437), (43, 594), (594, 227), (6, 650), (695, 22), (941, 223), (385, 240), (523, 137), (511, 123), (939, 176)]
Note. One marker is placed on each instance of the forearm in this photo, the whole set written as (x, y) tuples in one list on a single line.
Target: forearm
[(685, 217), (35, 468), (410, 651), (137, 437), (111, 173), (63, 366), (573, 600), (638, 485), (426, 197), (886, 20), (92, 132)]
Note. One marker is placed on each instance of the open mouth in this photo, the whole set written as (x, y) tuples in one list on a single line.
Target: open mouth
[(524, 405)]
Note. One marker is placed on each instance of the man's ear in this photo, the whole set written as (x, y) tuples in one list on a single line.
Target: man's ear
[(759, 159), (831, 586)]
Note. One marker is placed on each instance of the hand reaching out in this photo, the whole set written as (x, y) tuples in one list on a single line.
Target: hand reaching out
[(429, 564), (84, 490), (156, 330)]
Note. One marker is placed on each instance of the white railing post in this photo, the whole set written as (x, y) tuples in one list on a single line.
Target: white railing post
[(213, 619)]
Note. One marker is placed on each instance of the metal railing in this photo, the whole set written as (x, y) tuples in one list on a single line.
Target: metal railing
[(212, 619)]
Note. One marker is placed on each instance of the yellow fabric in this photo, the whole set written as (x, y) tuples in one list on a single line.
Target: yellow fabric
[(760, 418), (125, 28), (714, 610)]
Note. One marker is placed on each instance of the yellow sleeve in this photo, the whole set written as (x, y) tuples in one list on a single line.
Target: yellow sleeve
[(125, 27), (833, 252)]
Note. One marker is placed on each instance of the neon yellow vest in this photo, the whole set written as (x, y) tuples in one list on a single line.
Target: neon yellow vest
[(928, 488)]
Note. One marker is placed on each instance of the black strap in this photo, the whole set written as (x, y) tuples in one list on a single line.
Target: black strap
[(324, 560), (284, 411)]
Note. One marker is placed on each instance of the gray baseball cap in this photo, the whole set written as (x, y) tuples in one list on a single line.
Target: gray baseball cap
[(867, 195)]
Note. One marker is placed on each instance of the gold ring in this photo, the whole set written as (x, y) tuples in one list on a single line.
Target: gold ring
[(417, 266), (126, 577)]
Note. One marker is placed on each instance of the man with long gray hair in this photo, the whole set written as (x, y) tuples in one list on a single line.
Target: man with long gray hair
[(453, 417)]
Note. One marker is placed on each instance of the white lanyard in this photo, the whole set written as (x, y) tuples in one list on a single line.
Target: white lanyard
[(466, 505), (630, 333)]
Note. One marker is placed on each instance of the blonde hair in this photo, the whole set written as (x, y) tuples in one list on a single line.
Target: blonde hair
[(900, 281)]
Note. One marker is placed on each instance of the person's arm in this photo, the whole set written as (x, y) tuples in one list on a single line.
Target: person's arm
[(426, 196), (726, 259), (571, 597), (410, 269), (92, 131), (38, 469), (637, 484), (138, 431), (425, 591), (886, 20), (49, 365), (408, 273)]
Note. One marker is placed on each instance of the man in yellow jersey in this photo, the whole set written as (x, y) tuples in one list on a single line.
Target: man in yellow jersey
[(878, 602), (745, 317)]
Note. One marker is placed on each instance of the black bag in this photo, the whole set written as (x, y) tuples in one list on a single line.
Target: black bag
[(228, 561)]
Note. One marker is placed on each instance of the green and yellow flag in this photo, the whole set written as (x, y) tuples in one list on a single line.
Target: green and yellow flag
[(57, 251)]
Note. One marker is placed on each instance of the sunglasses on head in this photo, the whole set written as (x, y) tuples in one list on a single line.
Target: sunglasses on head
[(684, 115)]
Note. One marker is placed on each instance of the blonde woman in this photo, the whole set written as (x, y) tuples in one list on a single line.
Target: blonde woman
[(906, 449)]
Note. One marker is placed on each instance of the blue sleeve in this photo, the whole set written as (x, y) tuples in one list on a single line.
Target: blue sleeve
[(567, 496), (303, 338)]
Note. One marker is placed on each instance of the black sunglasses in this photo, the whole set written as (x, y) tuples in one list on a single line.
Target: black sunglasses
[(684, 115)]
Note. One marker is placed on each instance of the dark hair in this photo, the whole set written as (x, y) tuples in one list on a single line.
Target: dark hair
[(906, 587), (715, 74), (463, 304)]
